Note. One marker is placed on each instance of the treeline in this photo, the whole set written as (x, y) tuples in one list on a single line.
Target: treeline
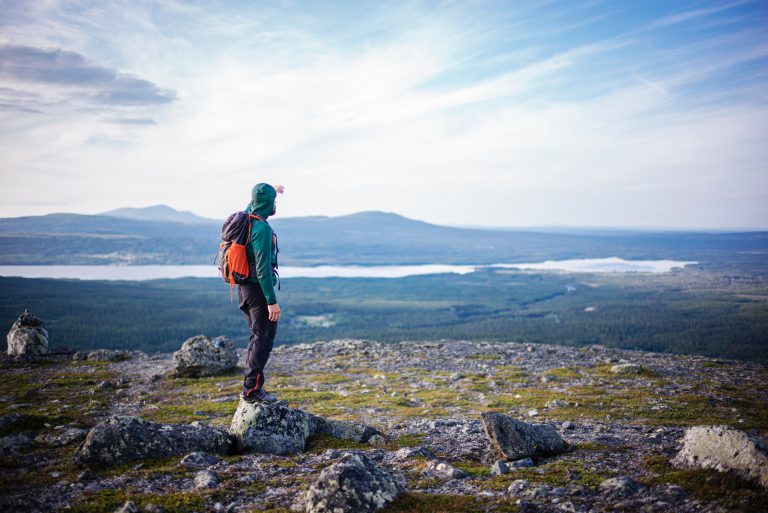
[(666, 313)]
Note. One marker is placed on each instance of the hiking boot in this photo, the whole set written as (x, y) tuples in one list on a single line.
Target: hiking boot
[(258, 396)]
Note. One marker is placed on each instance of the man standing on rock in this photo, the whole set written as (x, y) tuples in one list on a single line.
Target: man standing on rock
[(257, 298)]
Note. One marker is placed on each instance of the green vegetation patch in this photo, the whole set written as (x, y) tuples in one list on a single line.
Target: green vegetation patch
[(724, 489), (412, 502), (110, 500)]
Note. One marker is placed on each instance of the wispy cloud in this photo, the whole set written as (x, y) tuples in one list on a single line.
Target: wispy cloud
[(486, 113)]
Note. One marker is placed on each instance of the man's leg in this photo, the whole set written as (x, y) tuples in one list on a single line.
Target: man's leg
[(260, 342)]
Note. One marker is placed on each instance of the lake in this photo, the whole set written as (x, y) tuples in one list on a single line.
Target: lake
[(153, 272)]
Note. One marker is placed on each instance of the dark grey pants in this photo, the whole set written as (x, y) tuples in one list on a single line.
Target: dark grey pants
[(254, 306)]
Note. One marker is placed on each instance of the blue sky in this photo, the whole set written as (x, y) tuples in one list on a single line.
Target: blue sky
[(506, 113)]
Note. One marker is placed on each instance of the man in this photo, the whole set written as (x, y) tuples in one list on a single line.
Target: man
[(257, 298)]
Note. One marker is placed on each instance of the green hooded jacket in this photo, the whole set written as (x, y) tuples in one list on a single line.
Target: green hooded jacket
[(261, 250)]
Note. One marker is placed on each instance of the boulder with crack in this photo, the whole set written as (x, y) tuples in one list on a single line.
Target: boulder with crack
[(201, 356), (124, 438), (512, 439), (353, 484), (724, 448)]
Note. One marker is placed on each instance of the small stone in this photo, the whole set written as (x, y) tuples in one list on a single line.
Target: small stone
[(443, 470), (153, 508), (198, 460), (522, 463), (533, 413), (206, 479), (556, 403), (410, 452), (128, 507), (377, 441), (619, 486), (105, 385), (568, 425), (517, 486), (499, 468)]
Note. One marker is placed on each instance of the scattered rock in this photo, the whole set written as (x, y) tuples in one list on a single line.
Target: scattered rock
[(61, 439), (619, 486), (345, 430), (107, 355), (198, 460), (122, 438), (128, 507), (200, 356), (556, 403), (11, 420), (627, 368), (353, 484), (522, 463), (206, 479), (724, 448), (499, 468), (377, 441), (411, 452), (512, 439), (14, 444), (568, 425), (443, 470), (518, 486), (27, 336)]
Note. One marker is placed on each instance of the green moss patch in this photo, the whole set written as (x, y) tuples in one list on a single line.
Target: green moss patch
[(726, 490)]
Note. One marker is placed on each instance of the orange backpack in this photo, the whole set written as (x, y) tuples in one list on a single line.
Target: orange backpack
[(232, 257)]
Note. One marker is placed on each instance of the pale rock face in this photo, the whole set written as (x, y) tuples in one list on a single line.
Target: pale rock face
[(27, 336), (513, 439), (270, 428), (724, 448), (201, 356), (353, 484), (443, 470)]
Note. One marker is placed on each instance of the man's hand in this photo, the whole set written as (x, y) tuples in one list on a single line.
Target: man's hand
[(274, 312), (280, 189)]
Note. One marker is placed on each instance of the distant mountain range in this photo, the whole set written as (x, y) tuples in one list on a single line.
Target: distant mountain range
[(162, 235), (158, 213)]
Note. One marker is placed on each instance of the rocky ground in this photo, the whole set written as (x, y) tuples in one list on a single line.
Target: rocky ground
[(623, 425)]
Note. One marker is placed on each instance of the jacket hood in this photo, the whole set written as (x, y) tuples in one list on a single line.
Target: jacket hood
[(262, 200)]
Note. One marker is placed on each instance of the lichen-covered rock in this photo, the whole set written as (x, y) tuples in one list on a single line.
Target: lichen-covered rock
[(201, 356), (62, 438), (627, 368), (123, 438), (128, 507), (198, 460), (27, 336), (512, 439), (443, 470), (270, 428), (206, 479), (274, 428), (104, 355), (353, 484), (724, 448), (345, 430), (619, 486)]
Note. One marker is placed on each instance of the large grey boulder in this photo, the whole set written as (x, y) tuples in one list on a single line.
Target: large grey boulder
[(201, 356), (512, 439), (123, 438), (353, 484), (27, 336), (270, 428), (273, 428), (724, 448)]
